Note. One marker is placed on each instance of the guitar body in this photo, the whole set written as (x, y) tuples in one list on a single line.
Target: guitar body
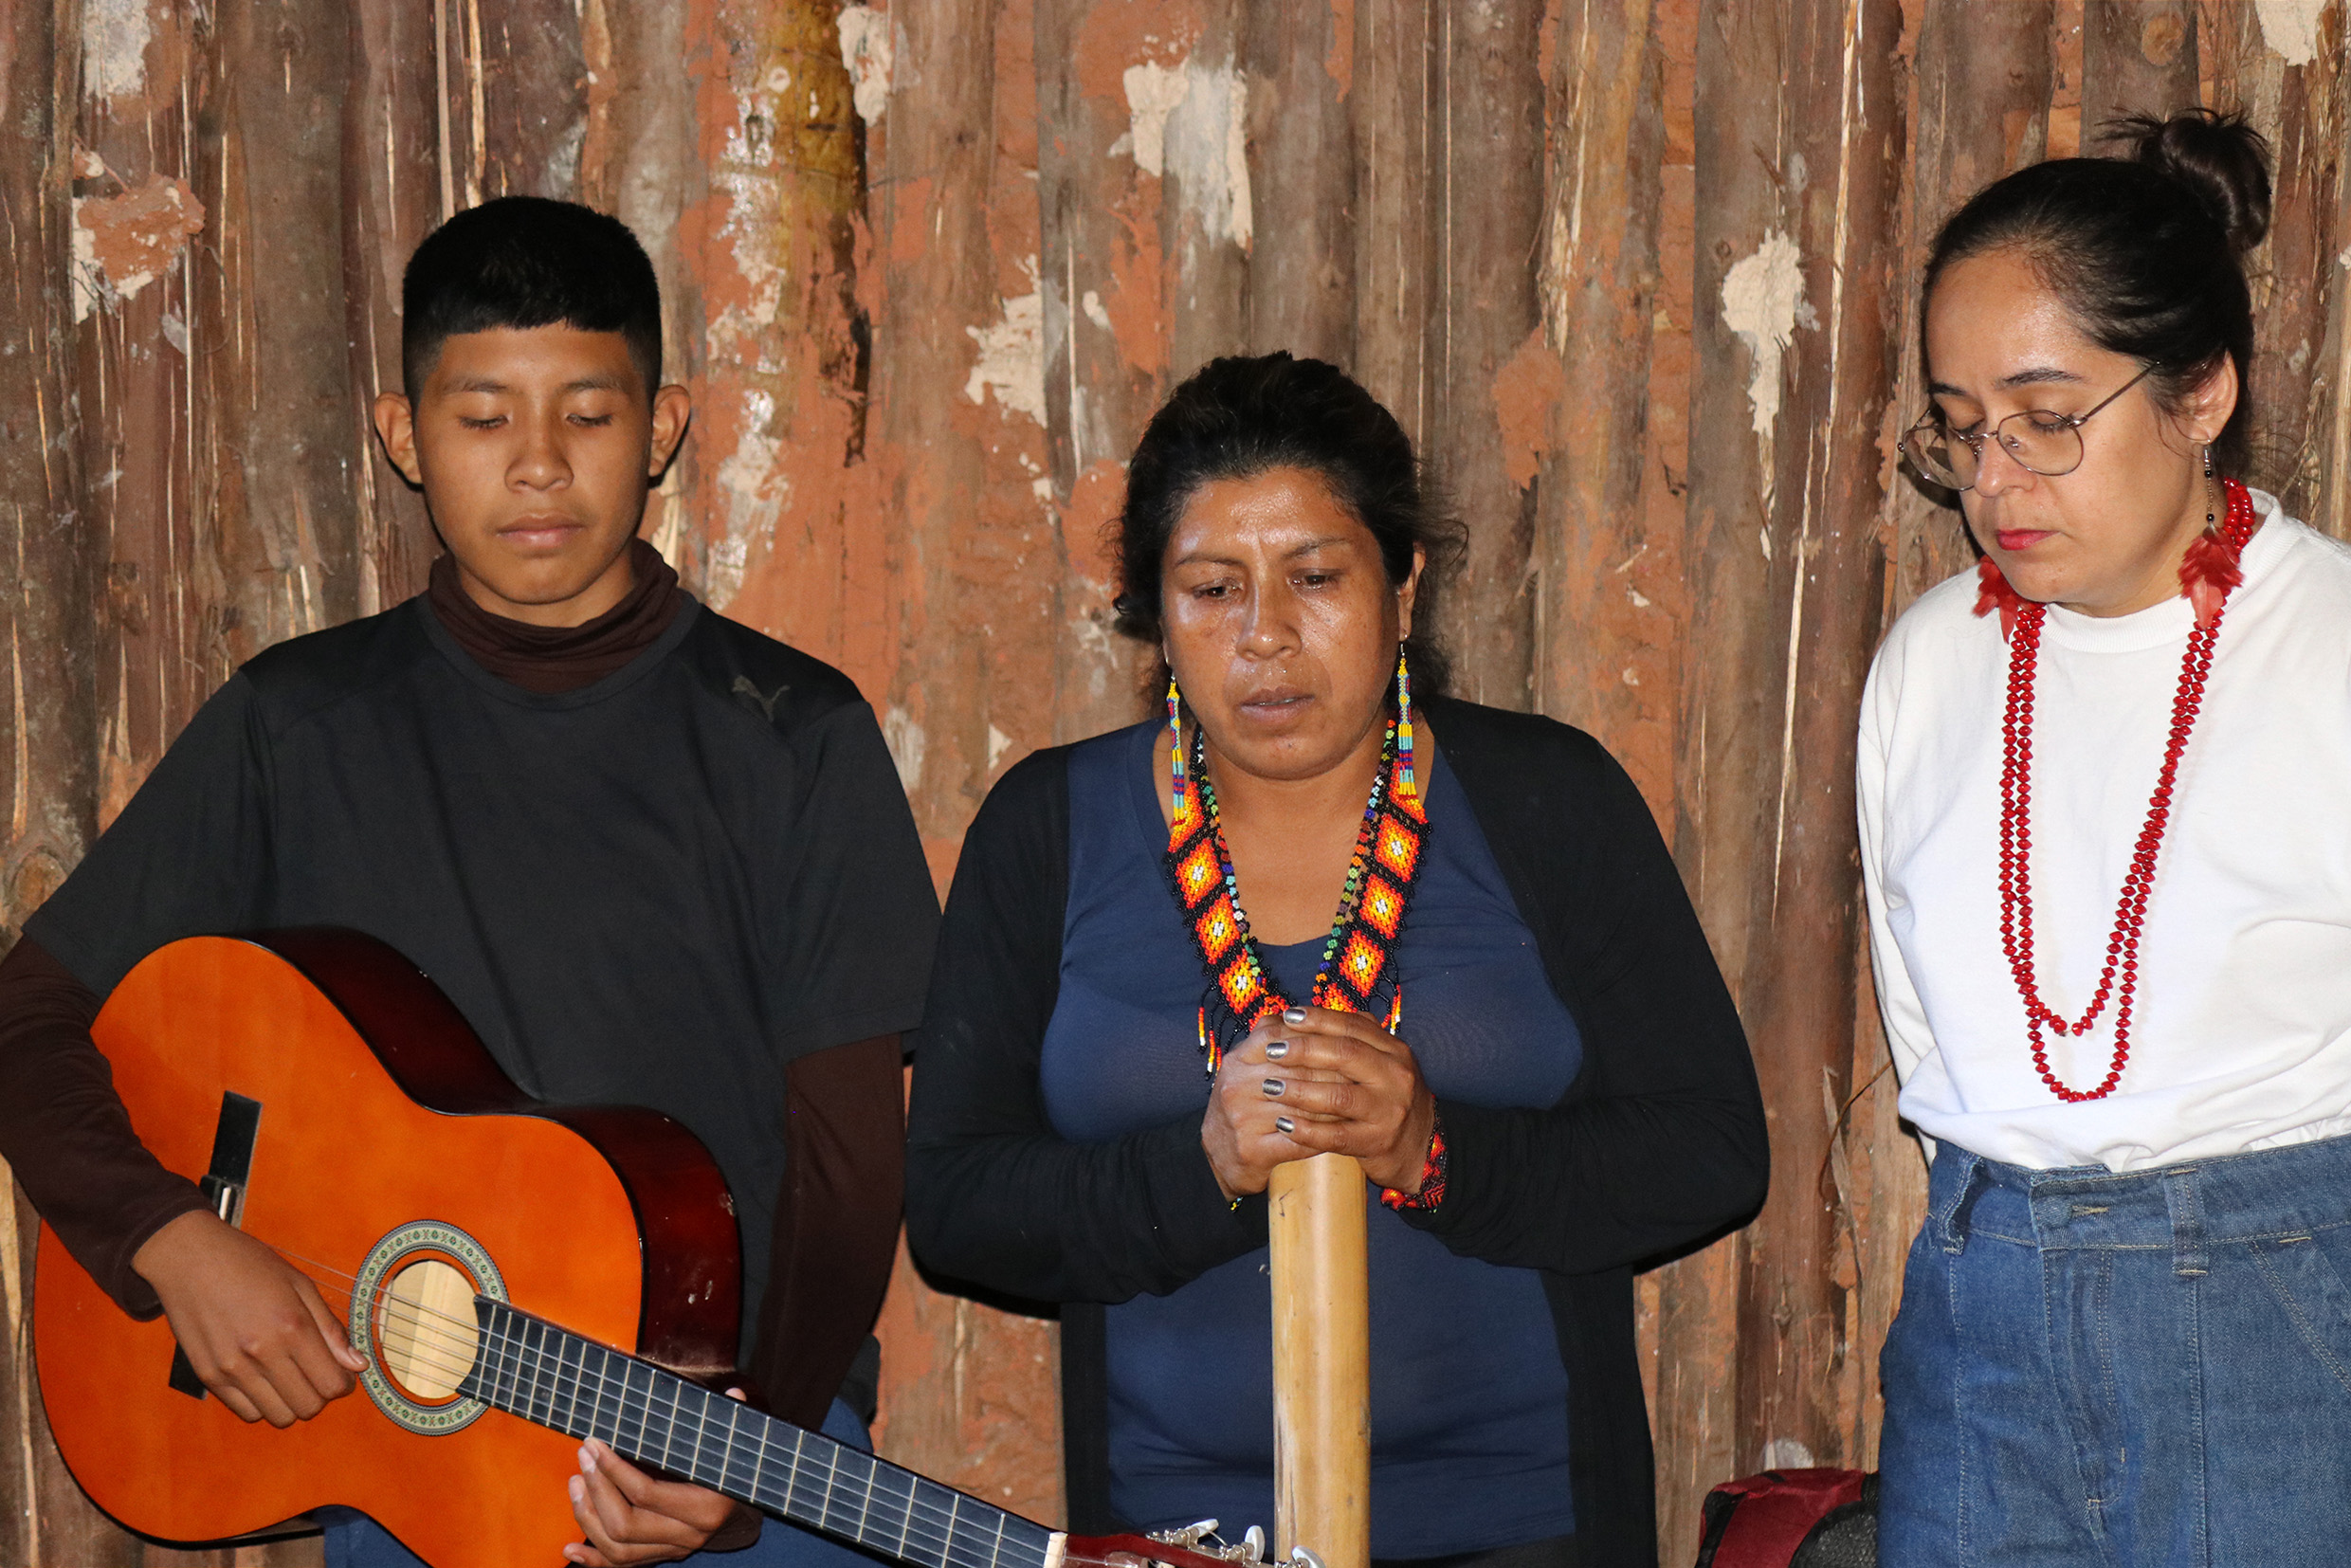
[(384, 1128)]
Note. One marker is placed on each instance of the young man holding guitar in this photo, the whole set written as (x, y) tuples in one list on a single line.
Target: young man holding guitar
[(654, 857)]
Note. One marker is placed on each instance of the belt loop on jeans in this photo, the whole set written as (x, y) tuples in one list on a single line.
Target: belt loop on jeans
[(1952, 1220), (2189, 1256)]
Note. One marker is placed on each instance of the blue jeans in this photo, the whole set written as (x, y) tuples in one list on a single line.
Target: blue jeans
[(354, 1540), (2124, 1371)]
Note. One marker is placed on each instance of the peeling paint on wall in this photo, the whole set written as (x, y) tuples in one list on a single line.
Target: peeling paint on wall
[(2290, 27), (1191, 121), (1152, 91), (1011, 355), (121, 244), (751, 489), (866, 50), (1205, 150), (1762, 296), (114, 48), (905, 738)]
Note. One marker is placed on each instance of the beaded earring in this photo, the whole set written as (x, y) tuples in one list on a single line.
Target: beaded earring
[(1406, 782), (1174, 746), (2208, 486)]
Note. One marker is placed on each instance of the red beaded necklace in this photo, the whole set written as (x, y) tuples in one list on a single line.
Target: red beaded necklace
[(2207, 574)]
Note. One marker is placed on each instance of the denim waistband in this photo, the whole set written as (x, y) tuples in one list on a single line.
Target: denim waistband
[(2185, 1208)]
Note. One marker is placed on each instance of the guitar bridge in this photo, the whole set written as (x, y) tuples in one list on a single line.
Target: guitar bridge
[(223, 1186)]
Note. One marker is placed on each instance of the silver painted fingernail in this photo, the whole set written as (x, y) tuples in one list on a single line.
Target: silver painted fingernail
[(1295, 1015), (1273, 1088), (1276, 1049), (1285, 1125)]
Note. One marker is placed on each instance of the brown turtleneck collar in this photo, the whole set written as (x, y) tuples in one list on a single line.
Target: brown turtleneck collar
[(546, 660)]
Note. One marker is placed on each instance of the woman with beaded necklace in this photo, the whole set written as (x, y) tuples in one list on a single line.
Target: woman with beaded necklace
[(1143, 1004), (2110, 879)]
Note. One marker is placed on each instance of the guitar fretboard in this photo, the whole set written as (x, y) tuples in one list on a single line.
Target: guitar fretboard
[(551, 1377)]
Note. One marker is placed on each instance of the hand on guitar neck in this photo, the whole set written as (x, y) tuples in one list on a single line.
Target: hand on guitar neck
[(255, 1329), (630, 1518)]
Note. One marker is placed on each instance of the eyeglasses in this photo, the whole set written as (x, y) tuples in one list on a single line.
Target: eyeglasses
[(2040, 442)]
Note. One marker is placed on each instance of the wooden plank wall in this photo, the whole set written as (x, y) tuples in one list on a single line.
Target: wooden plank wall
[(1636, 273)]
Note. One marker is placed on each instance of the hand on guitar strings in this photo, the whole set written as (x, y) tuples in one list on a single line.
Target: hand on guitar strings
[(255, 1328), (1327, 1083), (630, 1518)]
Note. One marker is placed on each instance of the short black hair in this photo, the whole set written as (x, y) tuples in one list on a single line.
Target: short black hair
[(2146, 251), (1241, 417), (529, 262)]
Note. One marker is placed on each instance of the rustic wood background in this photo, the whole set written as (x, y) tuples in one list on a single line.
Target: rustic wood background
[(1636, 273)]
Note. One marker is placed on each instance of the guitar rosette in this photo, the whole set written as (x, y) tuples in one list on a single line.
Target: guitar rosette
[(412, 1318)]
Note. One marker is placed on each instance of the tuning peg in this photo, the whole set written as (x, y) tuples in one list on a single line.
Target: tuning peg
[(1187, 1536), (1253, 1540), (1303, 1559)]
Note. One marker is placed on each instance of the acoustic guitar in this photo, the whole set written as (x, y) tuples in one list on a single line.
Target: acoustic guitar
[(519, 1277)]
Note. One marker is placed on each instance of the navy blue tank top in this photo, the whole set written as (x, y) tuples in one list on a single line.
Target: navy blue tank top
[(1468, 1394)]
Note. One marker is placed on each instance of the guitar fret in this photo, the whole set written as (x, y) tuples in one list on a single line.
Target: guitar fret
[(583, 1397), (579, 1402), (793, 1506), (523, 1380), (533, 1345), (865, 1507), (629, 1415), (492, 1362), (697, 1459), (941, 1546), (665, 1415), (693, 1402), (906, 1517), (597, 1420), (559, 1389), (563, 1401), (512, 1372), (726, 1449), (758, 1463), (679, 1457), (995, 1548), (669, 1425), (477, 1381), (824, 1509)]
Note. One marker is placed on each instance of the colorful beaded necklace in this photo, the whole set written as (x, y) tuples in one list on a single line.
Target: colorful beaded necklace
[(1356, 973), (2206, 576)]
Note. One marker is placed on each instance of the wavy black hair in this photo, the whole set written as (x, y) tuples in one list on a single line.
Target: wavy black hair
[(1239, 417), (529, 262), (2146, 251)]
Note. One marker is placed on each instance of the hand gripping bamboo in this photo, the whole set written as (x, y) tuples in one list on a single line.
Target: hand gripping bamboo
[(1321, 1362)]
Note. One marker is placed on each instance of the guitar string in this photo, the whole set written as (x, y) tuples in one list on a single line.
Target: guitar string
[(944, 1539), (532, 1388), (950, 1542), (734, 1445)]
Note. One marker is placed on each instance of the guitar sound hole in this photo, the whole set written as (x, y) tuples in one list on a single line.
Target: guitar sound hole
[(427, 1338)]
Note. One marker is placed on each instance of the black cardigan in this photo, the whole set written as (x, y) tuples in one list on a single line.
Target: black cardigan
[(1657, 1144)]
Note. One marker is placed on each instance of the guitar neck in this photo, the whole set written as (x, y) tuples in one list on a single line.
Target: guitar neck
[(551, 1377)]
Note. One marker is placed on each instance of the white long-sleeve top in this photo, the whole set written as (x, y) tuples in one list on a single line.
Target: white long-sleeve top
[(2241, 1034)]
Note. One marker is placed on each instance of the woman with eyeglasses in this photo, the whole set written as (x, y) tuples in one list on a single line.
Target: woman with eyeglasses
[(2103, 787)]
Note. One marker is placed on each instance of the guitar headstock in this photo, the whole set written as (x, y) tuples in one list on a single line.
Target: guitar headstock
[(1193, 1546)]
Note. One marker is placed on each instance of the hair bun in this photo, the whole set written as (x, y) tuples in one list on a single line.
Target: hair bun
[(2219, 156)]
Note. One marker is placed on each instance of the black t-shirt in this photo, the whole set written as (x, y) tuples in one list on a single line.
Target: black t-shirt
[(656, 890)]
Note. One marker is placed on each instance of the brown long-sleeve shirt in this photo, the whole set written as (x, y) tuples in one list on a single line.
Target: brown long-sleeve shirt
[(66, 1135)]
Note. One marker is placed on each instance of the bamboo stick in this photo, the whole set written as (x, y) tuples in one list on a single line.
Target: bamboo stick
[(1321, 1362)]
